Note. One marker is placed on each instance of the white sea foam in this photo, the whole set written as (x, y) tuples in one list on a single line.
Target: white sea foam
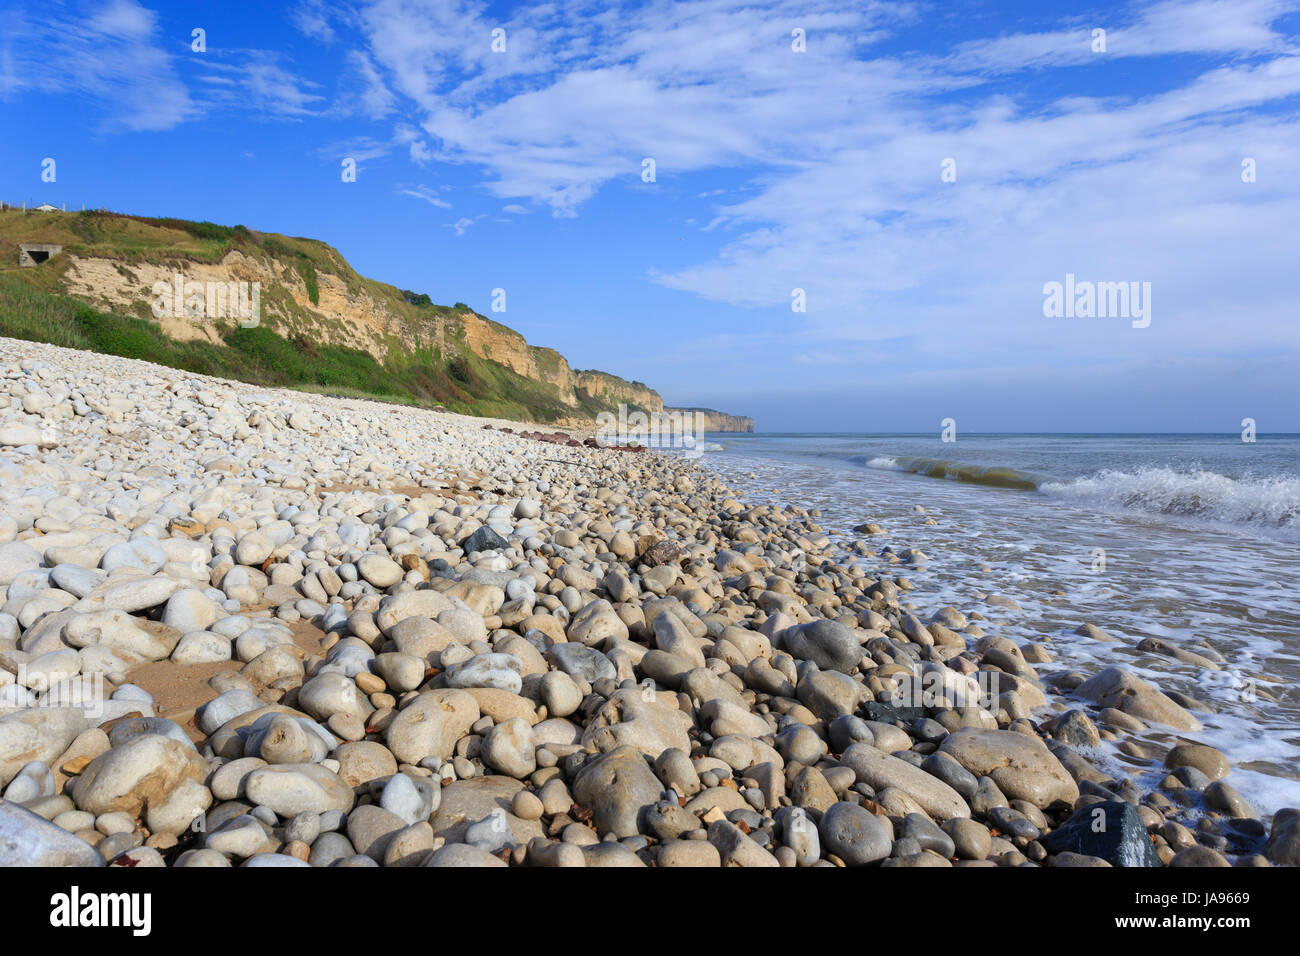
[(884, 463), (1267, 501)]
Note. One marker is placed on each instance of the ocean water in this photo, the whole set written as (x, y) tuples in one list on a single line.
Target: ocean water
[(1193, 539)]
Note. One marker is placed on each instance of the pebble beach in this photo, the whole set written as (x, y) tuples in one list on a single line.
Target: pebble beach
[(253, 627)]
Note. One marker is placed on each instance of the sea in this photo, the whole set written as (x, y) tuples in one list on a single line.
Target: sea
[(1192, 539)]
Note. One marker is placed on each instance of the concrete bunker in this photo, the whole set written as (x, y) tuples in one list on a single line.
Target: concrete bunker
[(34, 253)]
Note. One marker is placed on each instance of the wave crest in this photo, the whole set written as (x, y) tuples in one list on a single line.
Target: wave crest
[(1207, 495), (993, 477)]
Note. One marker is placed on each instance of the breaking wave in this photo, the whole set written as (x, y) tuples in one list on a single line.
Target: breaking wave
[(1208, 495), (1272, 502), (955, 471)]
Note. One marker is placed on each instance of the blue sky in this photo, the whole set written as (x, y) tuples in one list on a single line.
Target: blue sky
[(775, 170)]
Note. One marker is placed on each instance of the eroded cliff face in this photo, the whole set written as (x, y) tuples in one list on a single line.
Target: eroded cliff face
[(494, 341), (613, 391), (348, 312), (716, 421)]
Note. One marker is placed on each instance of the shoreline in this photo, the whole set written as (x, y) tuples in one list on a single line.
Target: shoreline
[(1204, 643), (627, 618)]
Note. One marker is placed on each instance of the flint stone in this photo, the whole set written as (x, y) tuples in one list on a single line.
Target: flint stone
[(854, 834), (462, 854), (627, 719), (882, 771), (509, 747), (829, 644), (431, 724), (413, 799), (27, 839), (1021, 766), (136, 775), (371, 828), (737, 849), (1111, 831), (617, 786), (290, 789), (502, 671), (582, 662), (42, 733), (1129, 694), (466, 802), (129, 596)]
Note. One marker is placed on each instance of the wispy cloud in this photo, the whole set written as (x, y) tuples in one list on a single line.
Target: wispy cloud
[(414, 141), (360, 149), (363, 91), (311, 17), (272, 89), (1166, 27), (836, 153), (461, 225), (113, 53), (428, 194)]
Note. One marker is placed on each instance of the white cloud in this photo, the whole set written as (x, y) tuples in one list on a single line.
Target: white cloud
[(273, 89), (125, 19), (835, 157), (416, 146), (461, 225), (118, 56), (360, 148), (312, 19), (420, 152), (115, 55), (515, 209), (363, 89), (427, 193), (1169, 26)]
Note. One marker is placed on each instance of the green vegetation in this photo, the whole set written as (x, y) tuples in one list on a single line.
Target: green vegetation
[(467, 384), (308, 273)]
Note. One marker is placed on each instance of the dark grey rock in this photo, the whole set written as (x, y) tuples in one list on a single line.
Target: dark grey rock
[(927, 835), (829, 644), (952, 773), (1283, 846), (668, 821), (1112, 831), (1076, 728), (484, 539), (889, 714), (1013, 822)]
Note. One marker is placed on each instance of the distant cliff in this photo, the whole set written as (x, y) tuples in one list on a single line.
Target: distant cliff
[(716, 421), (610, 390)]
